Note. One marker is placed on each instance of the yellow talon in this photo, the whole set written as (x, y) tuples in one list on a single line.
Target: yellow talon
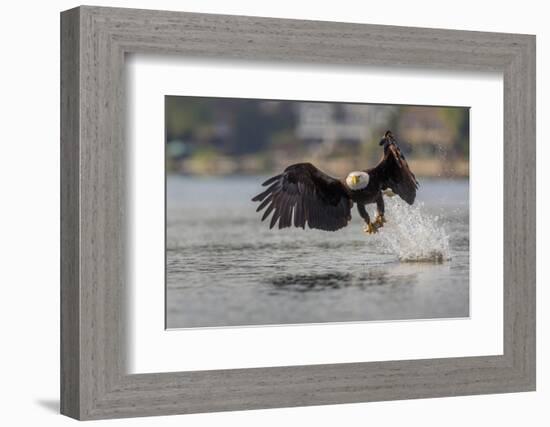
[(379, 221), (370, 228)]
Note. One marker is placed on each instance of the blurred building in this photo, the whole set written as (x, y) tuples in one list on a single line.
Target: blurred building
[(330, 124), (426, 129)]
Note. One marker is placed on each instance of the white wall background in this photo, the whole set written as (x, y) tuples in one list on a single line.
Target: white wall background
[(29, 212)]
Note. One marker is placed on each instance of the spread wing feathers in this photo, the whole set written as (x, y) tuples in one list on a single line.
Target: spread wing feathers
[(303, 194), (394, 173)]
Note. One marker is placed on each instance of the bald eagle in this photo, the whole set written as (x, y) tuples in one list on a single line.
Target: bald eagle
[(303, 194)]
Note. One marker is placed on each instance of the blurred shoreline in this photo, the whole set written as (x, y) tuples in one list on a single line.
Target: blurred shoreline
[(225, 136), (220, 165)]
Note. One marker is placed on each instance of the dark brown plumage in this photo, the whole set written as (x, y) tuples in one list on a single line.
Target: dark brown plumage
[(314, 197), (303, 194), (393, 171)]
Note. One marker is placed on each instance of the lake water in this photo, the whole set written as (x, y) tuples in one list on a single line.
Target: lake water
[(226, 268)]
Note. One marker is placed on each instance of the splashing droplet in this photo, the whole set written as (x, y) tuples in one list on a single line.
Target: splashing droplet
[(412, 235)]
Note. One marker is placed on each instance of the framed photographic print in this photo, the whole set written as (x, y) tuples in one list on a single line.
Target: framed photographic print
[(225, 268), (261, 213)]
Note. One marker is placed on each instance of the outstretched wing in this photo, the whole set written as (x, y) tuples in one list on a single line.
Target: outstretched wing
[(393, 172), (306, 195)]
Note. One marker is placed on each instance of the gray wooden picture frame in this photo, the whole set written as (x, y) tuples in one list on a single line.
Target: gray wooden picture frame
[(94, 42)]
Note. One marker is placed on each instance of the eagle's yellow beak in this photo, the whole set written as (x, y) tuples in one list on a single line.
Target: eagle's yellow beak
[(355, 179)]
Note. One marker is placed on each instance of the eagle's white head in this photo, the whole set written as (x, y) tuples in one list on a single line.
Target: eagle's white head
[(357, 180)]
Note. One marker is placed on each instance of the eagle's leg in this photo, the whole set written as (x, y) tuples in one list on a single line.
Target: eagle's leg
[(380, 219), (369, 227)]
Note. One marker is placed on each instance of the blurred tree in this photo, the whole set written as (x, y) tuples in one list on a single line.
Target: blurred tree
[(186, 115), (458, 120)]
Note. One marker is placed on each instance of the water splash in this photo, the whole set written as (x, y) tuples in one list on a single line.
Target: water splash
[(412, 235)]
